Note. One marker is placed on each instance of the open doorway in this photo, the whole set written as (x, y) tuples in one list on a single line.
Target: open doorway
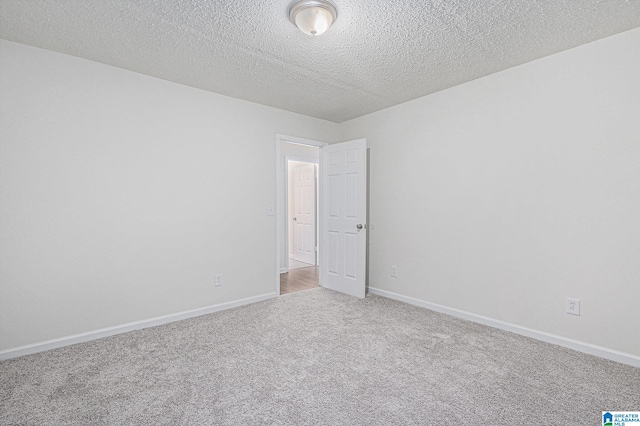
[(302, 211), (343, 203), (298, 205)]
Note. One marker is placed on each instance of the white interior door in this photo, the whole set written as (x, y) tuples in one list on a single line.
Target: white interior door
[(344, 216), (304, 214)]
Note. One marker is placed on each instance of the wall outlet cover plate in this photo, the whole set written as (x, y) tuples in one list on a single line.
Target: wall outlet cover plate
[(573, 306)]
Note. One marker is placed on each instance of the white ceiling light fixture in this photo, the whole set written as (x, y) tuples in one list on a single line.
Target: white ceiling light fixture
[(313, 17)]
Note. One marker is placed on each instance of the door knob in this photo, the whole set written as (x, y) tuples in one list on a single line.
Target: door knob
[(359, 226), (295, 218)]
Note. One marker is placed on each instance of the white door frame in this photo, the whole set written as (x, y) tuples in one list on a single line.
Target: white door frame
[(316, 190), (280, 194)]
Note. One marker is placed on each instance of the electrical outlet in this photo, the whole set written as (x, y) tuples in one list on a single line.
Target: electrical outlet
[(217, 280), (573, 306), (394, 271)]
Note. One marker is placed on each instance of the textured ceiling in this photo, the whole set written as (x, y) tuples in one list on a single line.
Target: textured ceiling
[(379, 53)]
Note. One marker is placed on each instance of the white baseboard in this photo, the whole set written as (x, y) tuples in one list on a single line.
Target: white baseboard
[(119, 329), (284, 270), (576, 345)]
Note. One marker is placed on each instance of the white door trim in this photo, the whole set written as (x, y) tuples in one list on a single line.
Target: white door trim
[(280, 193)]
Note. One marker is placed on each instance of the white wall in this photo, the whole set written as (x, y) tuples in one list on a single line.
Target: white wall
[(122, 195), (504, 196)]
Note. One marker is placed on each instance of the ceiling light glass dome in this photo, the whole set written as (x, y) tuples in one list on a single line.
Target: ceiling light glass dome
[(313, 17)]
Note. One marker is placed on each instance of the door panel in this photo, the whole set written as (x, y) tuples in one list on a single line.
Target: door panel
[(305, 213), (343, 242)]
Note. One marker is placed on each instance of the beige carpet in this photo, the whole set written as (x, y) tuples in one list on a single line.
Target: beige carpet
[(315, 358)]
